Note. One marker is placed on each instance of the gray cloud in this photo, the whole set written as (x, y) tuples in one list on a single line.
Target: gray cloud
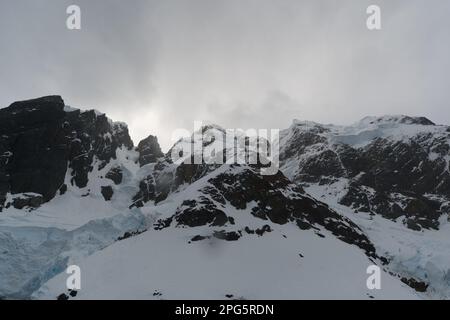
[(160, 65)]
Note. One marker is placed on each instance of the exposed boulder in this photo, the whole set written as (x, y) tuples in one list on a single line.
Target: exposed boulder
[(228, 236), (107, 193)]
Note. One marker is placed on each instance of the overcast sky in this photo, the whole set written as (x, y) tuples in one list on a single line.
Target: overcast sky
[(160, 65)]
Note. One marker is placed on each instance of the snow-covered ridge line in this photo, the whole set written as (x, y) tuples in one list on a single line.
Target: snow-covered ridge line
[(361, 133), (120, 125)]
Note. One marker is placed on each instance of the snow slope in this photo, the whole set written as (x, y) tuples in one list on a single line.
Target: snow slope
[(181, 262), (423, 255), (285, 264)]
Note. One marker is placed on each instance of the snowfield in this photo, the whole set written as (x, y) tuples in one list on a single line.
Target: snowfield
[(285, 264), (423, 255)]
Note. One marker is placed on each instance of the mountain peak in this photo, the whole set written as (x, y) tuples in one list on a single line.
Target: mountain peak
[(401, 119), (38, 103), (149, 150)]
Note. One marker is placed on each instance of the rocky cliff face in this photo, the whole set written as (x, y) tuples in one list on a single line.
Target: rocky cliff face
[(41, 139), (392, 166), (240, 188), (149, 150)]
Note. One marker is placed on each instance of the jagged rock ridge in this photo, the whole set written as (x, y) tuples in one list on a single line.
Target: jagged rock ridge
[(41, 139)]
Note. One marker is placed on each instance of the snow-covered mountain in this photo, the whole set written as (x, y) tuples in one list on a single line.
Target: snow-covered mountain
[(75, 190), (390, 175)]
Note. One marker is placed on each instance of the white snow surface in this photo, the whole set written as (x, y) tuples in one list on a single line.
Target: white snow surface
[(267, 267), (363, 132), (423, 255)]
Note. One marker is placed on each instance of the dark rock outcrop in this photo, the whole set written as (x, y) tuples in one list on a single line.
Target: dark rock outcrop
[(107, 192), (41, 138), (115, 174), (194, 213), (417, 285), (149, 150), (154, 187), (29, 201), (228, 236), (166, 178), (33, 147), (276, 198)]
